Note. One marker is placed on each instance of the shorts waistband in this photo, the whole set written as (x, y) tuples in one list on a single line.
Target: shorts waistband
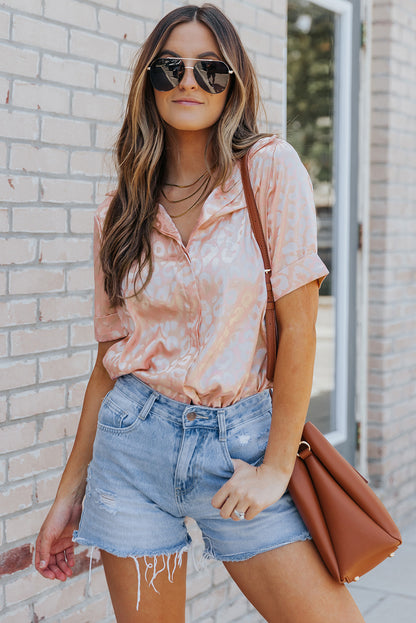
[(246, 408)]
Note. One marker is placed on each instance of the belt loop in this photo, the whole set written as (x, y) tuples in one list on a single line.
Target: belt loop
[(148, 405), (222, 425)]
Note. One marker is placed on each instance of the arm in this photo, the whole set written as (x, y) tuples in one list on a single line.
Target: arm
[(54, 548), (296, 318), (254, 488)]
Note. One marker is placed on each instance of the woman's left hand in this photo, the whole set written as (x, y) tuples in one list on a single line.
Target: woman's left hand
[(249, 490)]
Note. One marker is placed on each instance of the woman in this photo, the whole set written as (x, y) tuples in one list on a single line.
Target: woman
[(179, 389)]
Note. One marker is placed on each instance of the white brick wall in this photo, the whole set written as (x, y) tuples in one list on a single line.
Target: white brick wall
[(392, 312), (63, 80)]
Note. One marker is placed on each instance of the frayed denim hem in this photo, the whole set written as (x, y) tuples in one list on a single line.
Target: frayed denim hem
[(210, 554), (151, 565)]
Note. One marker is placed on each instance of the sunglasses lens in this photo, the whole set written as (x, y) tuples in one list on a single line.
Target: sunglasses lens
[(166, 73), (212, 76)]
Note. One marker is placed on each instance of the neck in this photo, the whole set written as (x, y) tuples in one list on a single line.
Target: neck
[(186, 156)]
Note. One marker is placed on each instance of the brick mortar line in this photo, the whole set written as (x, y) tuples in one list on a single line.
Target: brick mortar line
[(50, 590), (390, 110), (16, 391), (42, 325), (54, 470), (40, 52), (10, 141), (386, 388), (381, 425), (34, 506), (382, 322), (46, 353), (27, 328), (47, 237), (64, 87), (37, 417), (391, 290), (43, 175), (384, 405), (393, 371), (391, 340), (43, 295), (42, 114), (36, 360), (89, 600), (66, 409), (398, 453), (91, 63), (34, 203), (70, 27), (66, 148), (49, 294)]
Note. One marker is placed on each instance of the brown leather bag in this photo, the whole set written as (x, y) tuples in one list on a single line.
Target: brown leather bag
[(349, 525)]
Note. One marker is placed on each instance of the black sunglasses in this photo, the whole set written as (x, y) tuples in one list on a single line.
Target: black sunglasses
[(166, 73)]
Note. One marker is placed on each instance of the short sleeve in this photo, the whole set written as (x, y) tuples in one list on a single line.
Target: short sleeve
[(107, 322), (291, 223)]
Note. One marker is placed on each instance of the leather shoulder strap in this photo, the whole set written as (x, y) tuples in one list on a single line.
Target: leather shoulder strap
[(270, 318)]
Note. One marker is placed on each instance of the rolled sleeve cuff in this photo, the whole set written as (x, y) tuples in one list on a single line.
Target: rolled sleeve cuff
[(108, 328), (297, 274)]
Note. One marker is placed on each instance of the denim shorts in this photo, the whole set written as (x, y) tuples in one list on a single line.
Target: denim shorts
[(156, 461)]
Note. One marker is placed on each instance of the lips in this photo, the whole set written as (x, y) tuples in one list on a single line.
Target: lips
[(186, 101)]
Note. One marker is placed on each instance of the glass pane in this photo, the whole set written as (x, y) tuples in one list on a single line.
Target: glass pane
[(310, 129)]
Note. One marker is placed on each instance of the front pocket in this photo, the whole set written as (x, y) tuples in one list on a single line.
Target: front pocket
[(114, 418), (248, 440)]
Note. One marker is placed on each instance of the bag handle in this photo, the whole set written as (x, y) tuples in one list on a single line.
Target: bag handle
[(270, 316)]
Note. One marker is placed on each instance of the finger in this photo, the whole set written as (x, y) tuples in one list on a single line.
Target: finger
[(70, 557), (240, 509), (42, 553), (227, 509), (221, 495), (47, 573), (250, 513), (59, 575), (62, 564)]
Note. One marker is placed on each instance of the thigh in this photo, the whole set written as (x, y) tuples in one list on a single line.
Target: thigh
[(290, 584), (161, 600)]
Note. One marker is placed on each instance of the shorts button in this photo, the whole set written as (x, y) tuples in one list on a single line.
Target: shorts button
[(191, 416)]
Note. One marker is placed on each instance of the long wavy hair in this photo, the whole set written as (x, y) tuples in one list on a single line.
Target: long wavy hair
[(140, 148)]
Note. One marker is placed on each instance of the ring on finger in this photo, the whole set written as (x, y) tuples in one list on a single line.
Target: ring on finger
[(240, 515)]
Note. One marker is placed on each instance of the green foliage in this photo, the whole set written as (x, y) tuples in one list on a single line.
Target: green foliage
[(310, 86)]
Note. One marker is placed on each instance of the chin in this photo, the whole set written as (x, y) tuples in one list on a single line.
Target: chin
[(191, 125)]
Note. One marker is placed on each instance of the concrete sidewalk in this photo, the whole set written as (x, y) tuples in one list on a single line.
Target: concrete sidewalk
[(388, 593)]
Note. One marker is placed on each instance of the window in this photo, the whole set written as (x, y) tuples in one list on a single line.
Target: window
[(318, 125)]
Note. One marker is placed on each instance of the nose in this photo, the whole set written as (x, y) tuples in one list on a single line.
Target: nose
[(188, 81)]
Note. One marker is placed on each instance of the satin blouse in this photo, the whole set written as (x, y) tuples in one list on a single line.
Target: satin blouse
[(197, 332)]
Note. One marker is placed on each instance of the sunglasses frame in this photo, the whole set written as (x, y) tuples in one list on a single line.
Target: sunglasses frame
[(201, 60)]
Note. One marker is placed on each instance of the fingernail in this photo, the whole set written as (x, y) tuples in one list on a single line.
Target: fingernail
[(42, 564)]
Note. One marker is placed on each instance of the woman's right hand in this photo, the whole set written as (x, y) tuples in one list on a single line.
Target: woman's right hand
[(54, 555)]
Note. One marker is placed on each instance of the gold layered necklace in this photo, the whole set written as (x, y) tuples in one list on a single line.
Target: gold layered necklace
[(200, 191), (187, 185)]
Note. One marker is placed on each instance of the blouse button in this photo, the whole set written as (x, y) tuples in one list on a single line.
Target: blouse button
[(191, 416)]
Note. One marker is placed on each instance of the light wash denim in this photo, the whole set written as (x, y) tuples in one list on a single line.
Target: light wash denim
[(157, 460)]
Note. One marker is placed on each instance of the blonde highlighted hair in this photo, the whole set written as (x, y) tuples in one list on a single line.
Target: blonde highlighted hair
[(140, 147)]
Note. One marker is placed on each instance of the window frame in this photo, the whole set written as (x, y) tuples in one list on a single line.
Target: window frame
[(345, 221)]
